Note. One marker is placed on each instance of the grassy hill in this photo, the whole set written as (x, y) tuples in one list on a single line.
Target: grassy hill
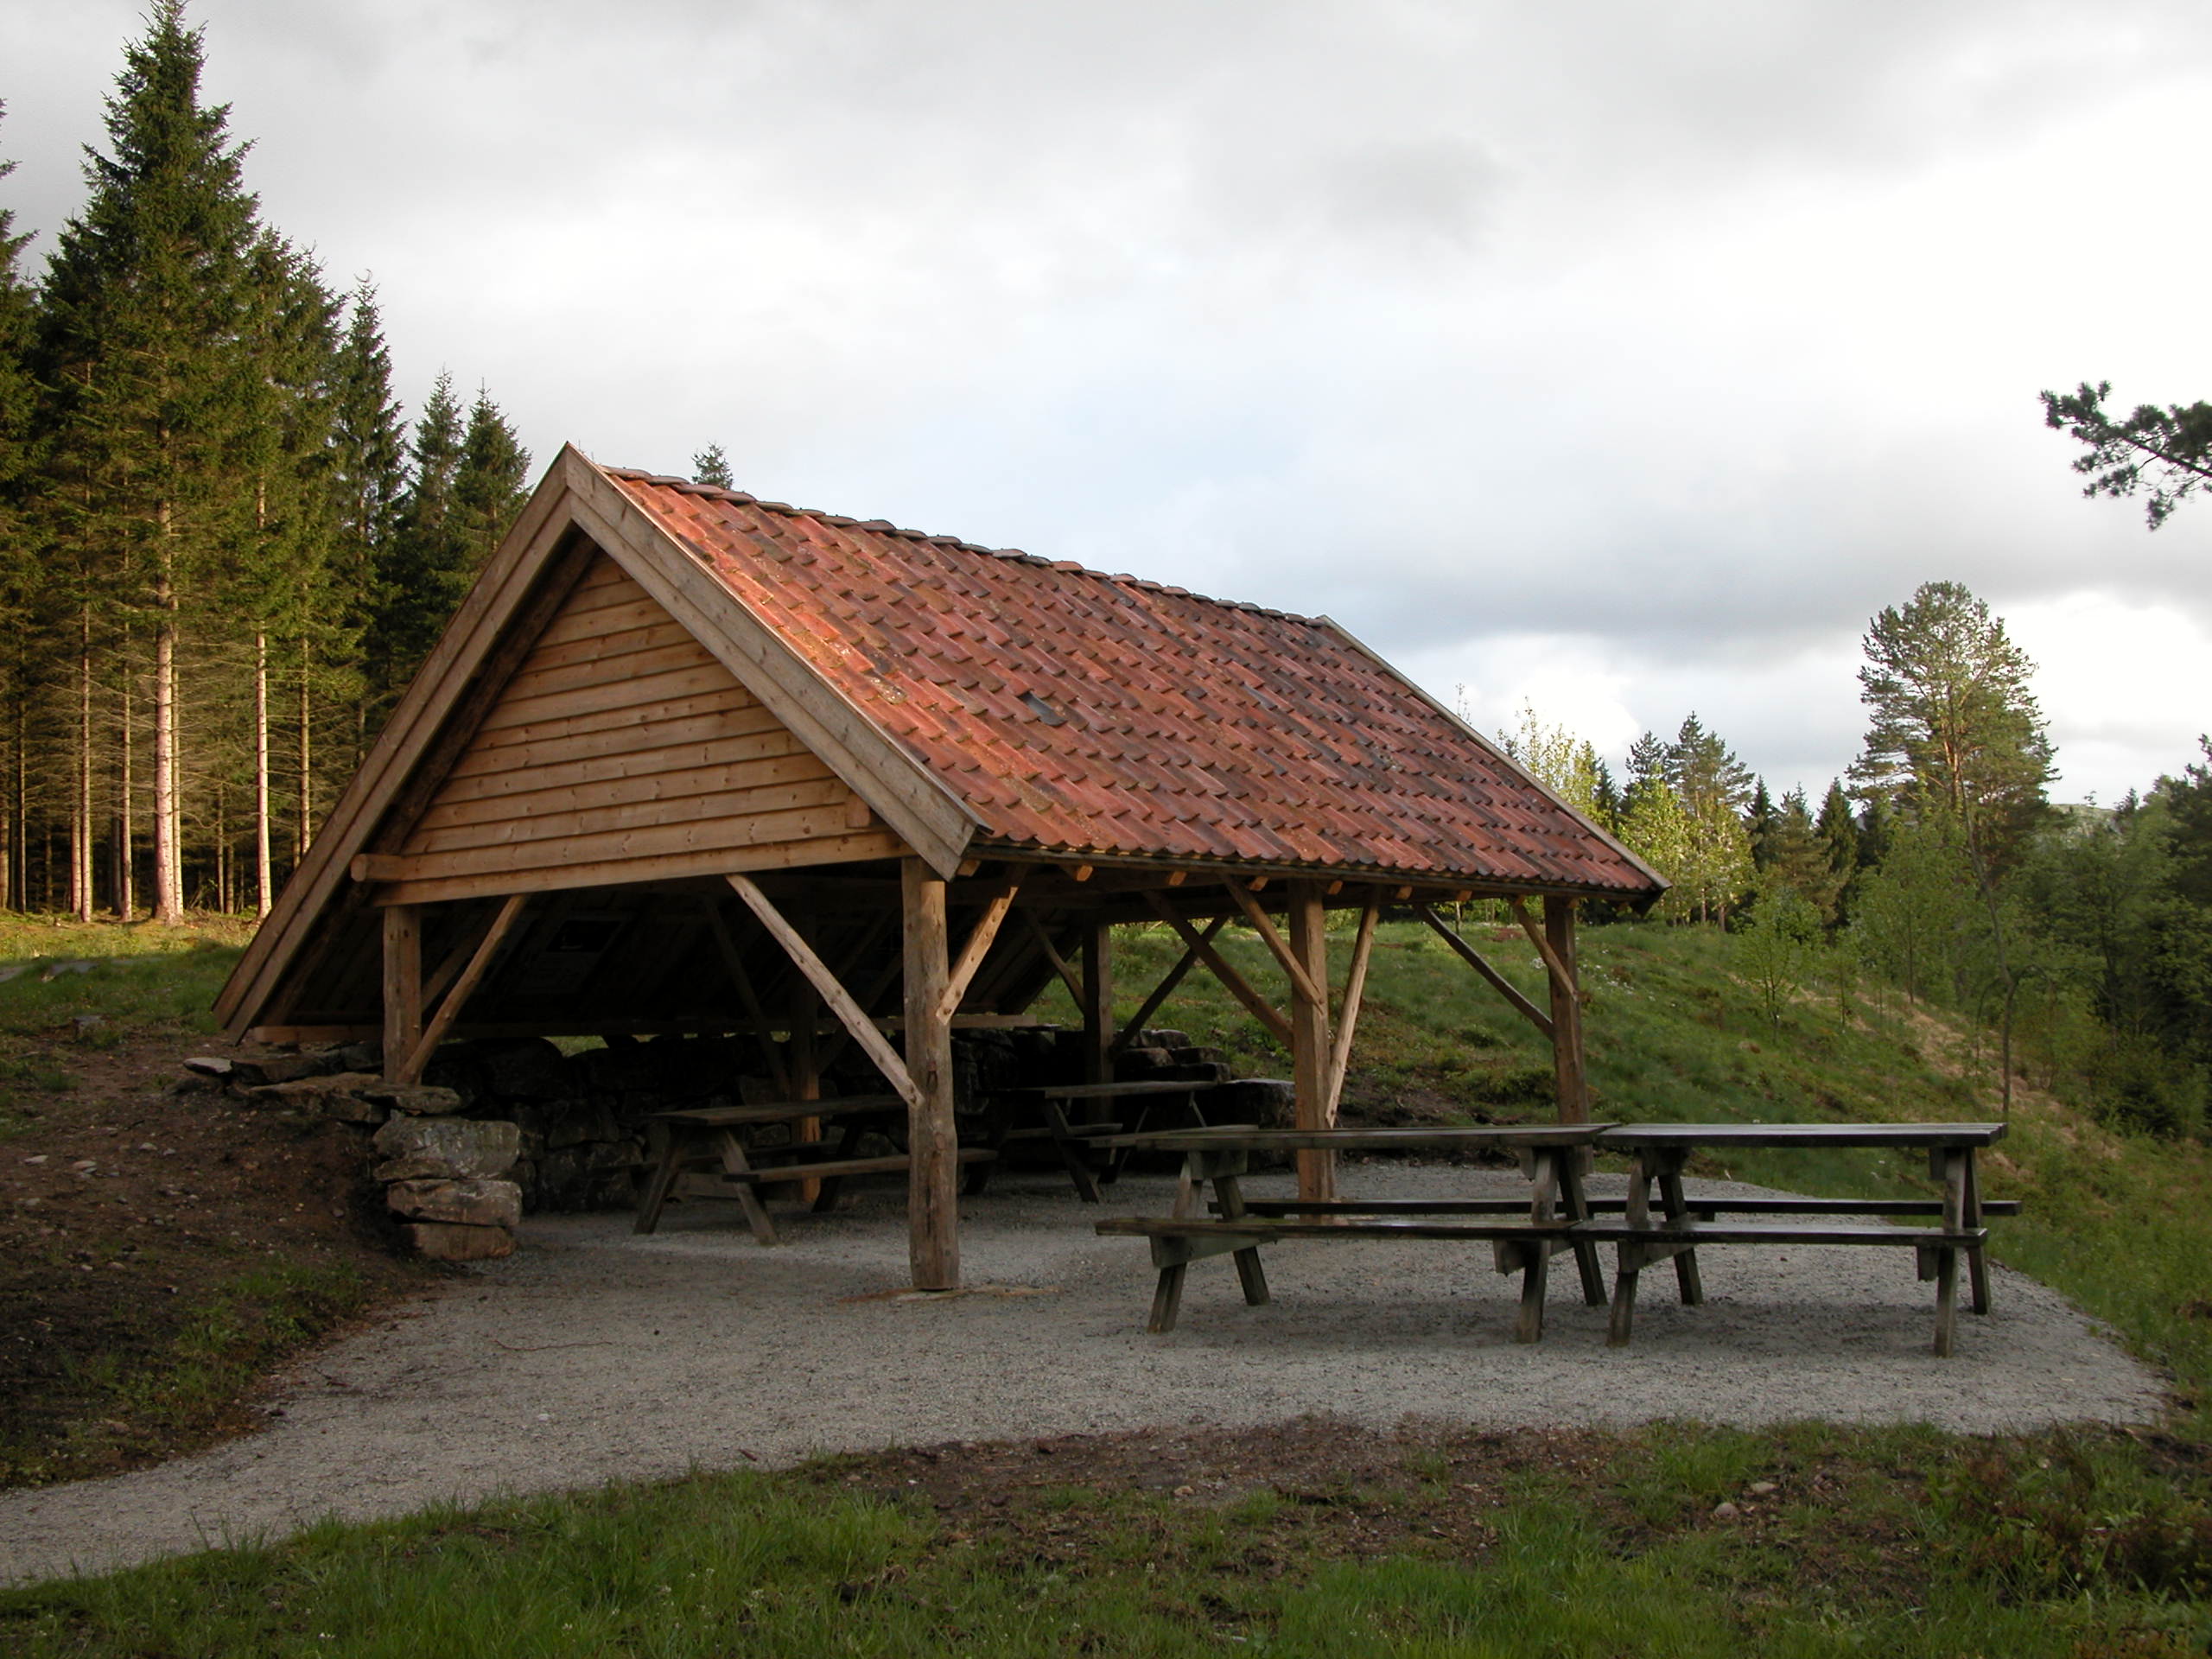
[(1676, 1539)]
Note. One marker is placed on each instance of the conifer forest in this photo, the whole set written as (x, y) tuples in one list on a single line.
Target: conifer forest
[(223, 551)]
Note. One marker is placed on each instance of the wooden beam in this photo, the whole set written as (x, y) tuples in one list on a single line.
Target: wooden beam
[(1309, 1033), (1505, 986), (1166, 988), (480, 965), (1069, 977), (1301, 983), (978, 945), (434, 983), (733, 962), (1570, 1070), (1560, 972), (932, 1142), (1097, 1003), (849, 1012), (1233, 983), (1348, 1009), (434, 881), (805, 1071), (402, 986)]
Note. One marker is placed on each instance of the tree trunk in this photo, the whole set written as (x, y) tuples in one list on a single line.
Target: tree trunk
[(169, 817), (126, 886), (264, 875), (80, 811), (305, 832)]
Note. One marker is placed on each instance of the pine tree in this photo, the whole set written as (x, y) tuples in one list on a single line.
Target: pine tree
[(149, 370), (1647, 763), (1839, 837), (1760, 824), (422, 574), (1955, 730), (711, 466), (18, 578), (1706, 773), (490, 485)]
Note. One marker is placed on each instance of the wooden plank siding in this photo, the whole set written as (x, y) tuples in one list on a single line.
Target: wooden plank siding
[(618, 744)]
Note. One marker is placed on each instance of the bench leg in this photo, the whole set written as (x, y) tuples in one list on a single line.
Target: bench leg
[(1978, 1277), (1252, 1276), (1535, 1275), (756, 1212), (1946, 1298), (1670, 1198), (1073, 1153), (1167, 1300), (1618, 1328), (1576, 1203), (662, 1184)]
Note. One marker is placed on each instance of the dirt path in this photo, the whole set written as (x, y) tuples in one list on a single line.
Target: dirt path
[(596, 1356)]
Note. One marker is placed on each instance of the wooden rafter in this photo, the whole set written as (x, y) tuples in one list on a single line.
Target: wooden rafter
[(1301, 983), (733, 960), (480, 965), (1166, 988), (1061, 966), (1474, 959), (978, 945), (1355, 992), (1233, 983), (849, 1014)]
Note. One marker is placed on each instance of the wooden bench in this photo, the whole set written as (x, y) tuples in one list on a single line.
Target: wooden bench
[(1660, 1151), (1525, 1247), (1076, 1142), (1637, 1246), (1550, 1154), (1704, 1209), (704, 1143)]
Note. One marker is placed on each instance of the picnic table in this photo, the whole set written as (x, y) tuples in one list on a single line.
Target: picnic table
[(1219, 1157), (705, 1141), (1658, 1152), (1074, 1142)]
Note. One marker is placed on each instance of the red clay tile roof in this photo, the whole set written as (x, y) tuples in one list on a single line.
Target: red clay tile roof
[(1076, 712)]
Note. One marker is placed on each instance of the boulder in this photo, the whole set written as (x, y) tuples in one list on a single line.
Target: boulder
[(454, 1148), (522, 1068), (472, 1204), (446, 1241), (344, 1095)]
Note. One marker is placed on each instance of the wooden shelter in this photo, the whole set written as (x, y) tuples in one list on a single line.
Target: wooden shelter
[(688, 761)]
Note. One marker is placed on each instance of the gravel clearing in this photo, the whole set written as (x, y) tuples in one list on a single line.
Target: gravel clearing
[(595, 1356)]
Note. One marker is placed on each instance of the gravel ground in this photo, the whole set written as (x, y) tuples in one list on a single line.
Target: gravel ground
[(593, 1355)]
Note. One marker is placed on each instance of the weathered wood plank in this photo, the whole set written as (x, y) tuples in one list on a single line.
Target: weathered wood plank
[(406, 887), (978, 943), (521, 829), (402, 985), (535, 679), (1348, 1007), (525, 794), (596, 647), (696, 720), (645, 690)]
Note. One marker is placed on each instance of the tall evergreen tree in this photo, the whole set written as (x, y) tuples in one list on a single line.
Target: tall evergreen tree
[(1647, 763), (1760, 824), (145, 355), (490, 485), (424, 570), (1839, 838), (19, 584), (1706, 773)]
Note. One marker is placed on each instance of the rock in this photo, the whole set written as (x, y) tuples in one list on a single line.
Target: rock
[(211, 1066), (580, 1123), (526, 1068), (55, 969), (342, 1095), (286, 1068), (1763, 1488), (1269, 1102), (1133, 1065), (355, 1056), (1725, 1512), (85, 1023), (446, 1241), (455, 1148), (473, 1204), (417, 1100)]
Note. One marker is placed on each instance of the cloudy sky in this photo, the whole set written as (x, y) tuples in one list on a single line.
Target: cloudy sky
[(1623, 358)]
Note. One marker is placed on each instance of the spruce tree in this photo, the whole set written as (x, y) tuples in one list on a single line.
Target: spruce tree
[(490, 485), (1760, 824), (424, 570), (19, 586), (368, 477), (711, 466), (148, 372)]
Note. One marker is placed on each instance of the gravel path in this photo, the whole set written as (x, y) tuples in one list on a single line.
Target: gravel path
[(595, 1356)]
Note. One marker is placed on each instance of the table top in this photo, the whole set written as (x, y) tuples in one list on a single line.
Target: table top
[(777, 1111), (1630, 1137), (1471, 1138), (1112, 1090)]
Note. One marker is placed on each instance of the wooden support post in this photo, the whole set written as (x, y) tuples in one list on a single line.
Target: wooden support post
[(1098, 1003), (1309, 1036), (480, 965), (1568, 1071), (932, 1144), (802, 1061), (402, 987)]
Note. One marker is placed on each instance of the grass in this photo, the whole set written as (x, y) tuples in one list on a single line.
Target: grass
[(2092, 1545), (1899, 1542)]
